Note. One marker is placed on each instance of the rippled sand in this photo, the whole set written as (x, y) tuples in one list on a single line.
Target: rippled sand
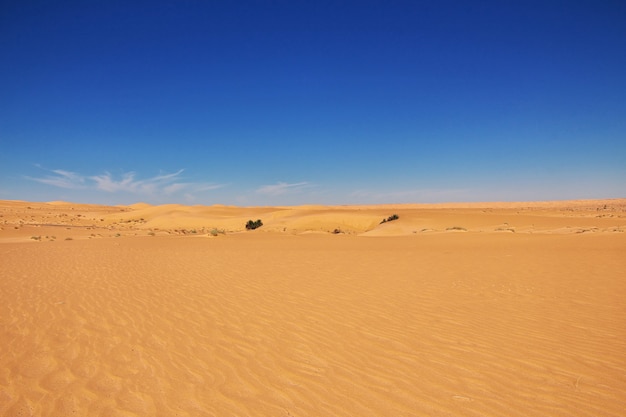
[(447, 311)]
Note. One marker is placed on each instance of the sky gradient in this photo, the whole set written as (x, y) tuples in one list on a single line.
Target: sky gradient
[(329, 102)]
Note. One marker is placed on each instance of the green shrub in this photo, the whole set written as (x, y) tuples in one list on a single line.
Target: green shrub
[(251, 225)]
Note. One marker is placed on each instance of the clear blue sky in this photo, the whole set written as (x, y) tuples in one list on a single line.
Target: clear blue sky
[(295, 102)]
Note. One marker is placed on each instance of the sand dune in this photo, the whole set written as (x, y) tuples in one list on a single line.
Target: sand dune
[(512, 309)]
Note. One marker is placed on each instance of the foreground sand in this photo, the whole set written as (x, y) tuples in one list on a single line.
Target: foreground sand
[(458, 310)]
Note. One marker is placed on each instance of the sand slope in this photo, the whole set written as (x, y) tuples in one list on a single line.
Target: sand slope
[(443, 312)]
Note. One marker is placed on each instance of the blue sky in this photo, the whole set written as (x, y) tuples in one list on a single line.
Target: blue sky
[(294, 102)]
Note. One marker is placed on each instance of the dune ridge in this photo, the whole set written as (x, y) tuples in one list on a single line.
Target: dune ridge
[(473, 311), (579, 216)]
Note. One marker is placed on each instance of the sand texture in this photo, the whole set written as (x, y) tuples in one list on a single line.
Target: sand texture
[(510, 309)]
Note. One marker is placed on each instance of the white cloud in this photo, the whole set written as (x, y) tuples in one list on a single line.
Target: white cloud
[(62, 179), (166, 183), (159, 185), (173, 188), (105, 182), (282, 188)]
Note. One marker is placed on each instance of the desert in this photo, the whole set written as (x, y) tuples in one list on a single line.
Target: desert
[(460, 309)]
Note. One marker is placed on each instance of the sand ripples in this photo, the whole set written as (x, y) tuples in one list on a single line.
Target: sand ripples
[(269, 325)]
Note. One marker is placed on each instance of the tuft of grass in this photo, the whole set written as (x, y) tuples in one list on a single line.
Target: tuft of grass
[(38, 238), (215, 231)]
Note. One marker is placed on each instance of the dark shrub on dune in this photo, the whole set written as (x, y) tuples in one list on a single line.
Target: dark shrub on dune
[(390, 218), (251, 225)]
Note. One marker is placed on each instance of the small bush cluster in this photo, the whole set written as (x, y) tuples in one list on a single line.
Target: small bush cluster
[(390, 218), (251, 225), (215, 231)]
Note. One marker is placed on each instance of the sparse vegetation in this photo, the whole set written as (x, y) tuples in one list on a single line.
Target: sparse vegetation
[(215, 232), (251, 225), (185, 231), (390, 218), (462, 229), (505, 229)]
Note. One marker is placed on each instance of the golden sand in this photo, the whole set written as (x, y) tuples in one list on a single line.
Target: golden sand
[(515, 309)]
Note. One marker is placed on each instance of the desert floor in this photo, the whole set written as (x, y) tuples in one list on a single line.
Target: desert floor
[(491, 309)]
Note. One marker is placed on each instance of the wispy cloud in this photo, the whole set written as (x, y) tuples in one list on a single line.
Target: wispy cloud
[(160, 185), (62, 179), (167, 183), (282, 188)]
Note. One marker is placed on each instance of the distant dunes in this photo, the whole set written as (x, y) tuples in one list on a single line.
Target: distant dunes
[(534, 217)]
